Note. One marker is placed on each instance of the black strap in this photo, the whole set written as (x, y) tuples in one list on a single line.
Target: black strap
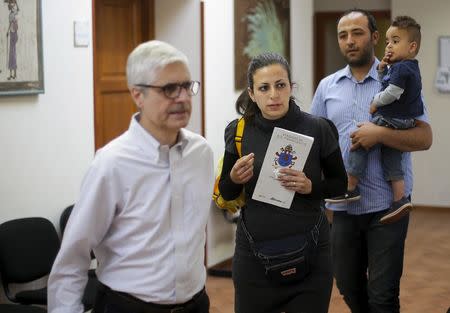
[(314, 231)]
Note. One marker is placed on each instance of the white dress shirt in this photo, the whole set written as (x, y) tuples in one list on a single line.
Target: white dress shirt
[(143, 209)]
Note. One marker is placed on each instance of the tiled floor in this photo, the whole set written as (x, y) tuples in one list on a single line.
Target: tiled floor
[(425, 286)]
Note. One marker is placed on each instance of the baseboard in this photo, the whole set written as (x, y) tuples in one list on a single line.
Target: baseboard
[(430, 208), (223, 269)]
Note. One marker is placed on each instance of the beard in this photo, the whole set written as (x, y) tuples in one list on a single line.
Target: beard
[(364, 59)]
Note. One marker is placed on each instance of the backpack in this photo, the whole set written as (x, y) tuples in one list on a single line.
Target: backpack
[(231, 205)]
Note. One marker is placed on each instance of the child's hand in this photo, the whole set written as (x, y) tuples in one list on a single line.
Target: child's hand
[(373, 108), (242, 170), (385, 61)]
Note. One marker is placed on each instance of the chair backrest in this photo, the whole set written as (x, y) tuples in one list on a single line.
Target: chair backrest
[(28, 248), (65, 218), (90, 290)]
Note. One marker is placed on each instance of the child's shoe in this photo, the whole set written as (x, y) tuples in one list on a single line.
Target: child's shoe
[(397, 210), (349, 196)]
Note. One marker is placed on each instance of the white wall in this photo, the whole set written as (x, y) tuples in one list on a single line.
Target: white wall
[(219, 108), (302, 46), (47, 140), (220, 94), (178, 23), (431, 168)]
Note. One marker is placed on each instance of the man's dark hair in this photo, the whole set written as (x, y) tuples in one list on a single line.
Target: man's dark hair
[(411, 26), (372, 23)]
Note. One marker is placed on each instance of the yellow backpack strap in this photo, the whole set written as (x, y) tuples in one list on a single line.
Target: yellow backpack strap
[(239, 133)]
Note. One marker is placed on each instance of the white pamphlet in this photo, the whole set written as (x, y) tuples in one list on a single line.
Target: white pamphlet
[(286, 149)]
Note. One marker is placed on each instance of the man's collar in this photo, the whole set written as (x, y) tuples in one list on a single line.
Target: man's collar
[(346, 72), (148, 143), (182, 139)]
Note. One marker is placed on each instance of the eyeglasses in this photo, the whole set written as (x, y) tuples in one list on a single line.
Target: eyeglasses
[(173, 90)]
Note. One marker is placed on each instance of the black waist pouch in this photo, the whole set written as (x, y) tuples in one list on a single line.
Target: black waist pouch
[(290, 259)]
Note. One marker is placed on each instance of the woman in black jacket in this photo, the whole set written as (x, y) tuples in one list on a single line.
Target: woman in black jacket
[(268, 103)]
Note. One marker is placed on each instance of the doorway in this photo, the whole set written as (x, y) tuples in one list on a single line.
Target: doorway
[(118, 27)]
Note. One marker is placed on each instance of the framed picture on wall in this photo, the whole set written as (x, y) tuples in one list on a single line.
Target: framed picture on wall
[(259, 26), (21, 64)]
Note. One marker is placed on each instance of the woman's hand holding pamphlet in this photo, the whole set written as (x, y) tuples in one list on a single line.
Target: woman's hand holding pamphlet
[(286, 150)]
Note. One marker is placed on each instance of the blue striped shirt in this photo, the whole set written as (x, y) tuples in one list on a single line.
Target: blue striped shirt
[(342, 99)]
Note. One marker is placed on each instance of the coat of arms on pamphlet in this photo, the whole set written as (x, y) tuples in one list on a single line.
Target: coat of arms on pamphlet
[(286, 149)]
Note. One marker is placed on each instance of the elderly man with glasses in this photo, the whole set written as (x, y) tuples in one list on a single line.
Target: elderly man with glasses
[(140, 209)]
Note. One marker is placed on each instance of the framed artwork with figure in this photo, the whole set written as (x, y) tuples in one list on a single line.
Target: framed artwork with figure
[(259, 26), (21, 64)]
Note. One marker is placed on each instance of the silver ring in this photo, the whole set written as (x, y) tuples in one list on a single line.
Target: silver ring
[(294, 183)]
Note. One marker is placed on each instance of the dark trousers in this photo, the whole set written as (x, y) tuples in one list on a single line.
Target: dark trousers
[(368, 261), (110, 301)]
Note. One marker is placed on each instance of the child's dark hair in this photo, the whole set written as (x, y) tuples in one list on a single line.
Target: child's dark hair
[(371, 21), (411, 26), (244, 104)]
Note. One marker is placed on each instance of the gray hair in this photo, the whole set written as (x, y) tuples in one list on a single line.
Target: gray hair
[(146, 59)]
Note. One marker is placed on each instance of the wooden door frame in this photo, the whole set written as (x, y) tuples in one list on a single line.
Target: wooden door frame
[(202, 69), (94, 71), (147, 31)]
